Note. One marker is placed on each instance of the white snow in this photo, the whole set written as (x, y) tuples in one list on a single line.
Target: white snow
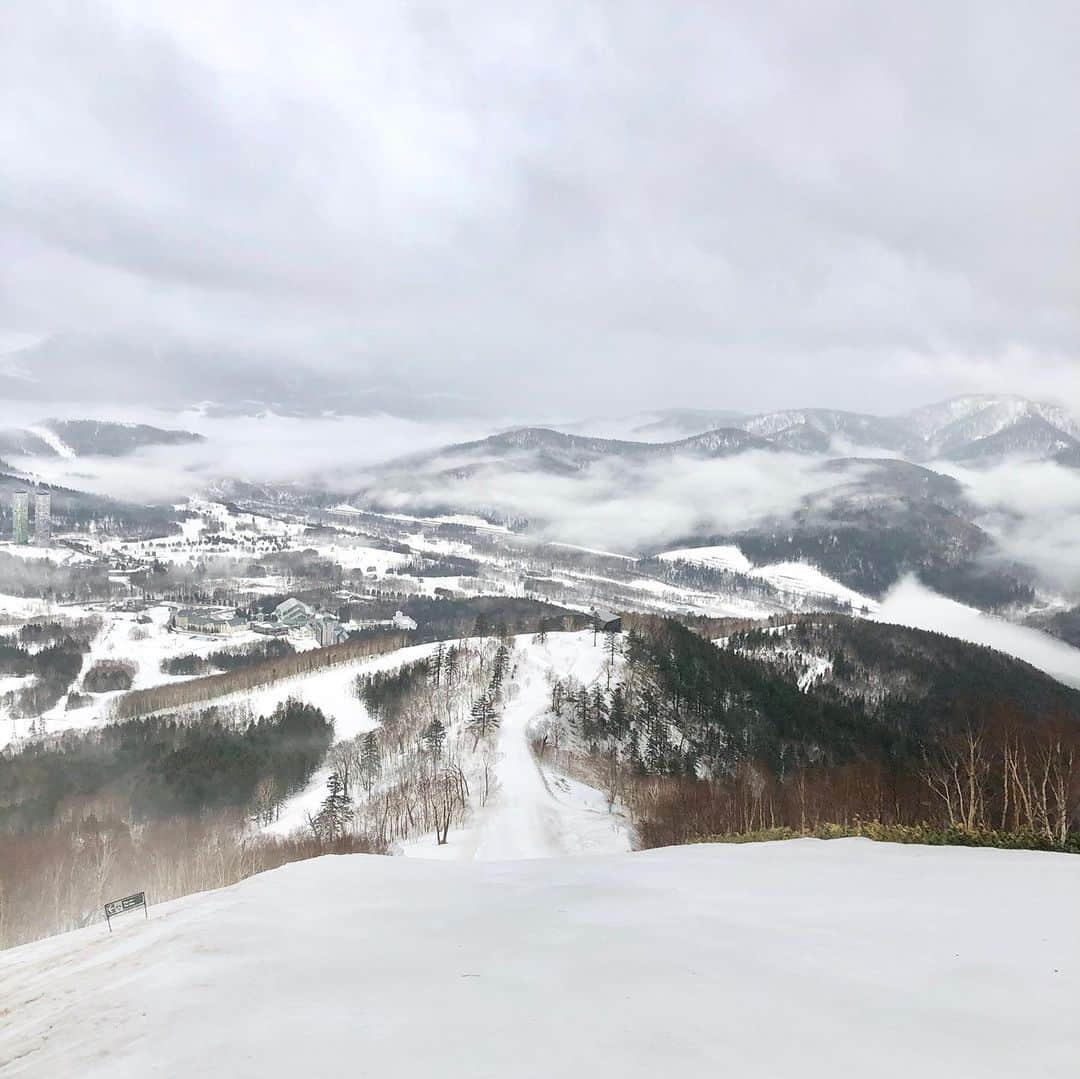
[(53, 440), (57, 555), (800, 578), (726, 556), (123, 638), (805, 579), (809, 958)]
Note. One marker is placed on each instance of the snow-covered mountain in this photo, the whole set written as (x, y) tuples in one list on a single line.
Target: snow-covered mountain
[(979, 428), (546, 450), (858, 428), (88, 438), (959, 428), (1029, 437)]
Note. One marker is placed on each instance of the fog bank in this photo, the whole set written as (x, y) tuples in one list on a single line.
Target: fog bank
[(910, 603)]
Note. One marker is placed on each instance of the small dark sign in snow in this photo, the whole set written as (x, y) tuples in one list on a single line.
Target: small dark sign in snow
[(122, 906)]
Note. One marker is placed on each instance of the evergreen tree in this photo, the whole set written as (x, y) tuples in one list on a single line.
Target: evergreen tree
[(618, 719), (336, 812), (502, 663), (434, 737), (451, 665), (484, 717), (599, 710), (656, 748), (370, 758)]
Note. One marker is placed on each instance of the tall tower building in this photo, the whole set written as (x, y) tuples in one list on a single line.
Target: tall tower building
[(42, 519), (20, 517)]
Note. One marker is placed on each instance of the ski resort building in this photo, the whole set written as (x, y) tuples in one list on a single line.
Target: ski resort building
[(294, 614), (606, 621), (328, 630), (216, 623)]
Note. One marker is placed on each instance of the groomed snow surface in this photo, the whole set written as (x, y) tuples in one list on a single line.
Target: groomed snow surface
[(805, 958)]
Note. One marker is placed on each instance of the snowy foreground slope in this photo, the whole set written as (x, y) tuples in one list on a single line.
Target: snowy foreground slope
[(841, 958)]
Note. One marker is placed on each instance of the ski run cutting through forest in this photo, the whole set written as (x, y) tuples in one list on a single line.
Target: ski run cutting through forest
[(535, 813), (532, 811)]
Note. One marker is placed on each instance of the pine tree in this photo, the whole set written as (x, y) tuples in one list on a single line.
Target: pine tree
[(657, 747), (484, 717), (336, 811), (438, 663), (434, 737), (370, 758), (599, 709), (450, 665), (618, 720), (502, 663)]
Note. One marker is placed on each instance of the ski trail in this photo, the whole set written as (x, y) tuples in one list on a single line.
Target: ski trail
[(53, 440), (526, 819)]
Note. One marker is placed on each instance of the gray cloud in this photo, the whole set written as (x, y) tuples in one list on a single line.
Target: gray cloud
[(543, 208)]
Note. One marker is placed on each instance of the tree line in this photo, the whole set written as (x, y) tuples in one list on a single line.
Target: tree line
[(210, 687), (227, 659), (165, 765)]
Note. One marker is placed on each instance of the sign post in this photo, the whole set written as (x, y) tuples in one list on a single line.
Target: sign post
[(122, 906)]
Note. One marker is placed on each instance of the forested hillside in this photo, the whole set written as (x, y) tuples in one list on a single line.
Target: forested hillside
[(827, 720), (161, 804)]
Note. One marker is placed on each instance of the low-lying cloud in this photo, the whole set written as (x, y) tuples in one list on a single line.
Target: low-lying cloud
[(1032, 510), (909, 603), (315, 452), (618, 504)]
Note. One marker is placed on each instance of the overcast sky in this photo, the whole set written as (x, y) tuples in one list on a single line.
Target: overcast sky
[(544, 209)]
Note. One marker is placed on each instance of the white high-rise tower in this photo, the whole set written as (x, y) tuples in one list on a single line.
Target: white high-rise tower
[(20, 517), (42, 519)]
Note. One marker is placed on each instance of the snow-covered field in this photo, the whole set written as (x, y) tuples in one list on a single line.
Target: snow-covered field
[(797, 578), (839, 958), (143, 645)]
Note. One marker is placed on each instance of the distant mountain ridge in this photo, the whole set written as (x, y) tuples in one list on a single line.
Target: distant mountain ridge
[(87, 438), (542, 449), (974, 429)]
